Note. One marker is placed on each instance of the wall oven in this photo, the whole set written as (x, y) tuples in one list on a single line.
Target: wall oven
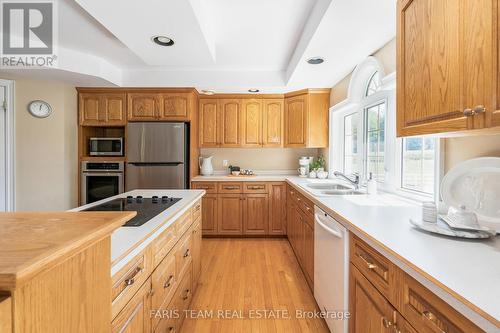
[(106, 146), (100, 180)]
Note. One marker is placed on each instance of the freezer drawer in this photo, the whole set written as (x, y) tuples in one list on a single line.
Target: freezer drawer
[(156, 142), (155, 176)]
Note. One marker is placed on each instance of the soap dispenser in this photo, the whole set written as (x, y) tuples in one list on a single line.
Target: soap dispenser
[(371, 186)]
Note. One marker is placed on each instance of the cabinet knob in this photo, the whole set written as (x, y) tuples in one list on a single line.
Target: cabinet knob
[(476, 110)]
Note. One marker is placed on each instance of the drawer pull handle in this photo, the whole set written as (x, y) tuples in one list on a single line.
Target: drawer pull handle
[(131, 280), (387, 323), (186, 296), (368, 263), (168, 283), (171, 329), (432, 318), (186, 254), (256, 187), (197, 208), (231, 187), (151, 292)]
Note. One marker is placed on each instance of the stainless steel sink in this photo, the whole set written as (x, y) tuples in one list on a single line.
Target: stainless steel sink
[(329, 186)]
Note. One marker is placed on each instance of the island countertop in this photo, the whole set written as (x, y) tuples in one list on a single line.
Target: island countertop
[(126, 242), (35, 241)]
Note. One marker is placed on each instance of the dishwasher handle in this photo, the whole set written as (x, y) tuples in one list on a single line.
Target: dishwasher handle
[(336, 233)]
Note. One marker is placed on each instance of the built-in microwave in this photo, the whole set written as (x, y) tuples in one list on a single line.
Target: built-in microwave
[(106, 147)]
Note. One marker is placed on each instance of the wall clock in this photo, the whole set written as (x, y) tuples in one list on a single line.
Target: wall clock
[(39, 109)]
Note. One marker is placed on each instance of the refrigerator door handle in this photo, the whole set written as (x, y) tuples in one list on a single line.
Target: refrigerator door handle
[(155, 163)]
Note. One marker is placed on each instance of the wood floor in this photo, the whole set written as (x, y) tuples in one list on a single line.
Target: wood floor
[(244, 278)]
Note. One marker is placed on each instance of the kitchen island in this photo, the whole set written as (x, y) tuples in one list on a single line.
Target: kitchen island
[(154, 266)]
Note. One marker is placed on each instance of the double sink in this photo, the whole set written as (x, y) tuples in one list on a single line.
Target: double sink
[(329, 188)]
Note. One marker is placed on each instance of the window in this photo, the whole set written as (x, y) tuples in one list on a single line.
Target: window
[(351, 144), (418, 164), (375, 141), (373, 84), (363, 138)]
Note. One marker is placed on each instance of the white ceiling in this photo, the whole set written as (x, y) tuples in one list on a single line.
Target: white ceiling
[(223, 45)]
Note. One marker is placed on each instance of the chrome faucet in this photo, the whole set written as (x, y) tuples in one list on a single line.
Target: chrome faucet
[(354, 182)]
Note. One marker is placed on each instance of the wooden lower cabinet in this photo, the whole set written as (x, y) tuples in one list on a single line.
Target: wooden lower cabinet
[(134, 317), (370, 311), (196, 245), (5, 314), (229, 214), (308, 256), (255, 214), (209, 214), (277, 208)]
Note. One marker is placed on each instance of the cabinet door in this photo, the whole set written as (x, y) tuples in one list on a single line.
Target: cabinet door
[(255, 214), (209, 214), (91, 113), (251, 123), (209, 123), (277, 209), (432, 66), (308, 258), (113, 106), (272, 127), (135, 316), (370, 311), (230, 214), (230, 121), (142, 106), (175, 106), (296, 121)]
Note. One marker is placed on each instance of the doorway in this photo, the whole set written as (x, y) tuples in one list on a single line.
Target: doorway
[(6, 145)]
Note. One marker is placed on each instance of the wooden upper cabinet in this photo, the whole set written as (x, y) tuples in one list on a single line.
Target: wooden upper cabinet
[(446, 65), (272, 125), (143, 106), (209, 123), (175, 106), (251, 122), (296, 121), (306, 118), (102, 109), (230, 122)]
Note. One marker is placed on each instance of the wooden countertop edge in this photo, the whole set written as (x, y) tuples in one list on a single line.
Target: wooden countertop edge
[(126, 253), (11, 281), (430, 278)]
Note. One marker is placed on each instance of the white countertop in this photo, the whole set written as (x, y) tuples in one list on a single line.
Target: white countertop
[(127, 242), (469, 268), (260, 176)]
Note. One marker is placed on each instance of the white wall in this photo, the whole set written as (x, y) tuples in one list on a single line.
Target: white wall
[(46, 149)]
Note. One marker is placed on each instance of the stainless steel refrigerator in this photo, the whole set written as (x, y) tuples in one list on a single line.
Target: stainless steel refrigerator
[(157, 156)]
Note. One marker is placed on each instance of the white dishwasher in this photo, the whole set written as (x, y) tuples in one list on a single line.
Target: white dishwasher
[(331, 269)]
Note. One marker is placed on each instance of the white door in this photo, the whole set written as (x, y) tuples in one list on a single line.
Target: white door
[(3, 150)]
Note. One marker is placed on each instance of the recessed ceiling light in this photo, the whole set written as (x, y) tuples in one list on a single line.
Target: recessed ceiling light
[(208, 92), (162, 40), (253, 90), (315, 61)]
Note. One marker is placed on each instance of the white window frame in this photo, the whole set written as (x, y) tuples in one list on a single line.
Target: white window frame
[(357, 101)]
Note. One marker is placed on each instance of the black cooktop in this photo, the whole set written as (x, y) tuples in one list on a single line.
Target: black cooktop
[(146, 208)]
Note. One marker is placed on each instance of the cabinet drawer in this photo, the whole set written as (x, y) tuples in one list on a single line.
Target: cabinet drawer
[(252, 187), (209, 187), (230, 187), (169, 322), (129, 279), (135, 315), (292, 194), (375, 267), (183, 223), (163, 244), (196, 210), (184, 294), (427, 312), (307, 207), (183, 255), (164, 282)]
